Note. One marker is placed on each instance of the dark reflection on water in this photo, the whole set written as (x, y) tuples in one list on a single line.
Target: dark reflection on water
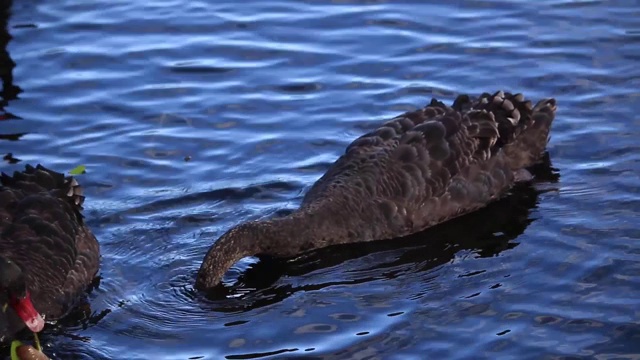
[(194, 116), (9, 90)]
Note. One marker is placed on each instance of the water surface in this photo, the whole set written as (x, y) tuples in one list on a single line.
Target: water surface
[(194, 116)]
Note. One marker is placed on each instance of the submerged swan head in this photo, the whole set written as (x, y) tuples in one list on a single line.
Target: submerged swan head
[(281, 237), (247, 239), (241, 241)]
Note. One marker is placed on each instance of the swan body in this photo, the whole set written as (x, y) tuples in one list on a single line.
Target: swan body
[(48, 256), (414, 171)]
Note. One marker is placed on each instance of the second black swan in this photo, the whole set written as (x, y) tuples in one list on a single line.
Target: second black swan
[(416, 170)]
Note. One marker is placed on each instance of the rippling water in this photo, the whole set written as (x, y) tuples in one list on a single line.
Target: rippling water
[(193, 116)]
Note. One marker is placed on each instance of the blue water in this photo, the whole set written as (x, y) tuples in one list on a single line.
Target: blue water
[(193, 116)]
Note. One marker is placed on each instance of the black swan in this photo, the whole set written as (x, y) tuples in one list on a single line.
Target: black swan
[(48, 256), (415, 171)]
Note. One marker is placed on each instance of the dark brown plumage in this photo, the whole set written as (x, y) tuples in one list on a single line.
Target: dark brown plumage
[(416, 170), (42, 232)]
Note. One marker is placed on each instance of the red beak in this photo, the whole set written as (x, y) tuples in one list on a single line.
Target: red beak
[(25, 310)]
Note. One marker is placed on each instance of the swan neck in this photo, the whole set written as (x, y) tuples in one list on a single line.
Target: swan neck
[(281, 237)]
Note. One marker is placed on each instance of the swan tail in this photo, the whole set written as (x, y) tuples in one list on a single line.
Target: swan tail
[(522, 129)]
